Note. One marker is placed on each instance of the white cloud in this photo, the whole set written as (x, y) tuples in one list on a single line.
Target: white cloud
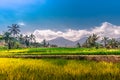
[(46, 34), (106, 29), (21, 23), (74, 35)]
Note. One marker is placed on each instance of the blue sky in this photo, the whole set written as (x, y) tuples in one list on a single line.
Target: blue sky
[(58, 14)]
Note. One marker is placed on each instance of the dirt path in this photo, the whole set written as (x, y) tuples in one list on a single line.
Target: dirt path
[(107, 58)]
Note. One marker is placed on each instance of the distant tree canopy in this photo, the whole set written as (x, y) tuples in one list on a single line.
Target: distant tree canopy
[(14, 39)]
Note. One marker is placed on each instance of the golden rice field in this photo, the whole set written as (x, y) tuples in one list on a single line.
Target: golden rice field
[(57, 69)]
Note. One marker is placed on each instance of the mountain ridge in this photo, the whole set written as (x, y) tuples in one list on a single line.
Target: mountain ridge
[(62, 42)]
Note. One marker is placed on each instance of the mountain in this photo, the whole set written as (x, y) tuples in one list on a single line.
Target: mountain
[(81, 41), (62, 42)]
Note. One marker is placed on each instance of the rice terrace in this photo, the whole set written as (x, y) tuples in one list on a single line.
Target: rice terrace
[(59, 40)]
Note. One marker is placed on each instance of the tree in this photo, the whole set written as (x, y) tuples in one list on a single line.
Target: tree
[(78, 45), (44, 43), (48, 44), (105, 41), (113, 43), (32, 38), (27, 41), (94, 39), (21, 38), (8, 39), (14, 29), (91, 41)]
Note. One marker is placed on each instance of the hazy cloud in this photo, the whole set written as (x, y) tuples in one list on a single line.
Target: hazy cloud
[(106, 29), (21, 23)]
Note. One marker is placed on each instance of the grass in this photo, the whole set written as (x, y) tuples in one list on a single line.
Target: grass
[(59, 69), (58, 51)]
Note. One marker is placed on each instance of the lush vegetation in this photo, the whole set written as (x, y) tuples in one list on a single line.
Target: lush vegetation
[(13, 39), (16, 44), (48, 69), (57, 51)]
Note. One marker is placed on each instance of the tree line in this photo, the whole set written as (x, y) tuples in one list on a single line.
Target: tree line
[(14, 39), (105, 42)]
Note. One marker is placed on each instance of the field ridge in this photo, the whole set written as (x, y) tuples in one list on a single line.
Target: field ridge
[(98, 58)]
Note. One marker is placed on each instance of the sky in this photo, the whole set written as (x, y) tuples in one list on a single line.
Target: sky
[(68, 17)]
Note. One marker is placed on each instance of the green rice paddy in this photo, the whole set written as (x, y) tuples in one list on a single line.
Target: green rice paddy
[(58, 51)]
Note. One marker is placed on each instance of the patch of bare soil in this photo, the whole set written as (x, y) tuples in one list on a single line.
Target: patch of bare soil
[(98, 58), (106, 58)]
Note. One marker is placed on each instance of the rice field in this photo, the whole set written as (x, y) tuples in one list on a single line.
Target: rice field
[(58, 51), (58, 69)]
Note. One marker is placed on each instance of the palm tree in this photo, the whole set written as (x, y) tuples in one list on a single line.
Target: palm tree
[(44, 43), (27, 41), (85, 44), (21, 39), (14, 29), (78, 45), (32, 38), (7, 37), (94, 38), (105, 41), (91, 40), (113, 43)]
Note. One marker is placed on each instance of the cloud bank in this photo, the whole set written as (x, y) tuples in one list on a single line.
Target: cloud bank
[(106, 29)]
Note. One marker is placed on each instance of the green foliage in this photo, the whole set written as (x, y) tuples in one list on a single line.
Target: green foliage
[(57, 51), (78, 45), (3, 48), (73, 51), (91, 41), (44, 43), (14, 29)]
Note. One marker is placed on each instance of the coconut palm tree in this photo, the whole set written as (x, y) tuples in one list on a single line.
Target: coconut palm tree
[(32, 38), (27, 41), (78, 45), (113, 43), (21, 39), (44, 43), (8, 39), (105, 41), (94, 38), (14, 29), (91, 40), (87, 42)]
